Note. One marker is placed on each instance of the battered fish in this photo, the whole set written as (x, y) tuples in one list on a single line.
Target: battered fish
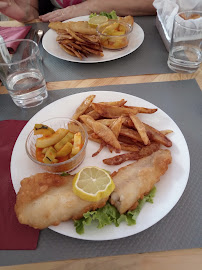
[(47, 199), (137, 179)]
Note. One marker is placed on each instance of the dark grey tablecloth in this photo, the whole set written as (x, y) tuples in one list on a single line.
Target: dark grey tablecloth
[(180, 229), (150, 58)]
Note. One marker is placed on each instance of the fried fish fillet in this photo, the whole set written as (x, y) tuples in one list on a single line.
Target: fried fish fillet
[(47, 199), (81, 27), (135, 180)]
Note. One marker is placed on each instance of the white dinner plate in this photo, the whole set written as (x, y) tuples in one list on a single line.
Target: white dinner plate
[(51, 46), (169, 189)]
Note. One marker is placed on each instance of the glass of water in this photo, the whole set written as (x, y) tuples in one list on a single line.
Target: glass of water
[(185, 55), (22, 73)]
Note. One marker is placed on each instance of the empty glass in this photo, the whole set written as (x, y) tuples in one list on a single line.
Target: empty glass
[(185, 51), (22, 73)]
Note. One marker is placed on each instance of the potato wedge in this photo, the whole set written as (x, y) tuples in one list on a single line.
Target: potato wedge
[(166, 131), (157, 136), (110, 111), (106, 122), (142, 109), (133, 134), (83, 107), (44, 142), (118, 103), (102, 131), (140, 128), (129, 147), (95, 115), (116, 126)]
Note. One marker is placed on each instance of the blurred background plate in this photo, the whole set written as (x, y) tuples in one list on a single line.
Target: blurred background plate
[(51, 46)]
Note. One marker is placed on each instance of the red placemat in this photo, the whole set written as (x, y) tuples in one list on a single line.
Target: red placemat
[(12, 33), (13, 235)]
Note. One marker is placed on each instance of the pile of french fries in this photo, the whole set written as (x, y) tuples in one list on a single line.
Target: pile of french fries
[(117, 127), (77, 39)]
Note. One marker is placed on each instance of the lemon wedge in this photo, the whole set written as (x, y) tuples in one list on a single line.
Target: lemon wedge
[(92, 184), (96, 20)]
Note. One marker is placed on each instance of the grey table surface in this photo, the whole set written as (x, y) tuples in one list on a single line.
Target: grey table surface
[(180, 229), (150, 58)]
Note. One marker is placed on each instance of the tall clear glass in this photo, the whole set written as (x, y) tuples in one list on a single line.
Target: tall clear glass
[(185, 55), (22, 73)]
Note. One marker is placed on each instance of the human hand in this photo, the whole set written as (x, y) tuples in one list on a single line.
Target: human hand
[(66, 13), (19, 10)]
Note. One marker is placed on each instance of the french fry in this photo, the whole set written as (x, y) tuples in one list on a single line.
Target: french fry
[(77, 39), (133, 134), (142, 109), (166, 131), (129, 147), (102, 131), (95, 115), (106, 122), (67, 50), (94, 135), (83, 107), (97, 140), (140, 128), (74, 35), (144, 152), (116, 126), (118, 103), (89, 109), (76, 52), (109, 111), (128, 122), (126, 140), (157, 136), (121, 129), (102, 145), (91, 39), (92, 51)]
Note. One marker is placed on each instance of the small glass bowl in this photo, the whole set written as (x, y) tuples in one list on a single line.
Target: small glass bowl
[(112, 42), (67, 165)]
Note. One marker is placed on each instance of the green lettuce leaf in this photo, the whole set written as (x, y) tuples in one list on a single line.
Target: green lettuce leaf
[(109, 214), (111, 15)]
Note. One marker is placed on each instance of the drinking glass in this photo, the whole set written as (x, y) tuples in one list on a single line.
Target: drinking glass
[(186, 44), (22, 73)]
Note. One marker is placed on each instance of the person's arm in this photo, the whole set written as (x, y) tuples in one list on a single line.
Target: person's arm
[(20, 10), (122, 8)]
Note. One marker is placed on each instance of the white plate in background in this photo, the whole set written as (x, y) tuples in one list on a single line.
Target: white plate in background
[(51, 46)]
